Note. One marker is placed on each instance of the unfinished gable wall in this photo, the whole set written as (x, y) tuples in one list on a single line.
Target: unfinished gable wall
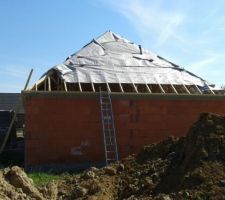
[(65, 128)]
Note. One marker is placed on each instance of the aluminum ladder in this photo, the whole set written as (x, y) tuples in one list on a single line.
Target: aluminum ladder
[(108, 128)]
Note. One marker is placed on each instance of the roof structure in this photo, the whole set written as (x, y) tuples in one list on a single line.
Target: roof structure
[(119, 65), (9, 101)]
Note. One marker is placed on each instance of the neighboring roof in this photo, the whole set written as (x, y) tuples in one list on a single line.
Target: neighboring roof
[(112, 59), (9, 101)]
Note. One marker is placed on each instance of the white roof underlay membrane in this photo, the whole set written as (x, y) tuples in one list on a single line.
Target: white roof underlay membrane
[(112, 59)]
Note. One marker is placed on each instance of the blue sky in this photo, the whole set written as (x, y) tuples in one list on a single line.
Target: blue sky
[(42, 33)]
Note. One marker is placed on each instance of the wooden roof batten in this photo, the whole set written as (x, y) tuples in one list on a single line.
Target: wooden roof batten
[(47, 84)]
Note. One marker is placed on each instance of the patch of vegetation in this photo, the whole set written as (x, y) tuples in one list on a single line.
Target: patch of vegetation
[(41, 178)]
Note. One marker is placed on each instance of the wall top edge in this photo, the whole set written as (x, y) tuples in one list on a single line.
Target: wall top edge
[(62, 94)]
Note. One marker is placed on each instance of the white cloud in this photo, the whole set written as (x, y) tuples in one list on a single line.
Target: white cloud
[(210, 68), (150, 19), (191, 32), (200, 65)]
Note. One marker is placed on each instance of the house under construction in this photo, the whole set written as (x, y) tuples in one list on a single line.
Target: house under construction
[(108, 100)]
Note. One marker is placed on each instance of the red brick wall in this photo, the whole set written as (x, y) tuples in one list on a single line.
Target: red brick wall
[(68, 130), (141, 122)]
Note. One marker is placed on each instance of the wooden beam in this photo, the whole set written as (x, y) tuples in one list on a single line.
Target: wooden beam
[(93, 87), (210, 89), (92, 84), (65, 86), (173, 88), (79, 84), (80, 88), (45, 84), (135, 88), (49, 83), (40, 81), (121, 87), (108, 88), (5, 139), (200, 92), (182, 81), (148, 88), (160, 86), (186, 89)]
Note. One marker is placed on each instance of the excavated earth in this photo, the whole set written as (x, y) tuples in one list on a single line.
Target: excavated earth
[(192, 167)]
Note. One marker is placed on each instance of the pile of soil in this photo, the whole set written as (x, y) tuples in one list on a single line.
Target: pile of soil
[(15, 185), (192, 167)]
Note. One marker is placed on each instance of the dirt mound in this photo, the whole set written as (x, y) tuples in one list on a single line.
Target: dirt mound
[(200, 158), (15, 185), (192, 167)]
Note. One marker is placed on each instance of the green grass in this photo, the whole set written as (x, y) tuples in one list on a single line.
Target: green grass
[(41, 178)]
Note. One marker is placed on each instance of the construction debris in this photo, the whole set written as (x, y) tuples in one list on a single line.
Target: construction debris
[(192, 167)]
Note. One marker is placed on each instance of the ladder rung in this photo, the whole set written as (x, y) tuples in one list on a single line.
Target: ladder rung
[(109, 131), (107, 121), (105, 103), (107, 117), (110, 143), (109, 136), (107, 124)]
